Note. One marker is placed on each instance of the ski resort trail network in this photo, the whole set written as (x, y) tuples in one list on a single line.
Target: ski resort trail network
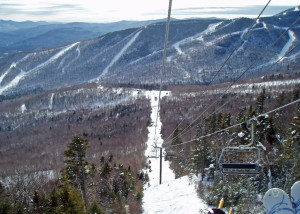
[(173, 195)]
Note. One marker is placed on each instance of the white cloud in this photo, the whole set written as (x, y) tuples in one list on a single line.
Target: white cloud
[(115, 10)]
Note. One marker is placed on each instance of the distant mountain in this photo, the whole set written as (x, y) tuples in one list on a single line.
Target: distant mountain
[(30, 36), (9, 25), (196, 50)]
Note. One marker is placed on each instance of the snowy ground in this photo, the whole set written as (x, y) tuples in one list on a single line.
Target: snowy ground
[(172, 196)]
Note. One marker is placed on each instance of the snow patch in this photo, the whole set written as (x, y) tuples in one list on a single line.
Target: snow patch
[(265, 25), (178, 196), (248, 88), (34, 176), (241, 134), (177, 46), (23, 108), (51, 101)]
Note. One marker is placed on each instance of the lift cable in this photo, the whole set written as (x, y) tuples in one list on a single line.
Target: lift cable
[(253, 118), (225, 62), (240, 76), (163, 66), (229, 100), (255, 21)]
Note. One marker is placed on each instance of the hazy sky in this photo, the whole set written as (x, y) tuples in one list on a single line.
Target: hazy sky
[(116, 10)]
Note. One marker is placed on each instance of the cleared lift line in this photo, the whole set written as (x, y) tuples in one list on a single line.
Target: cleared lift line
[(255, 62), (163, 65)]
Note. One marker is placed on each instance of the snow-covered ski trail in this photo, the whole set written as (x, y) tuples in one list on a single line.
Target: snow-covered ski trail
[(173, 195), (287, 46), (283, 51), (199, 36), (72, 61), (14, 82), (13, 65), (51, 101), (118, 56)]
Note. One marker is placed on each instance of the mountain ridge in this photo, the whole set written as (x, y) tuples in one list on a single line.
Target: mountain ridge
[(20, 36), (196, 49)]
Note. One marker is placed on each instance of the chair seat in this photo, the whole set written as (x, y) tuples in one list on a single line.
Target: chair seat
[(239, 165)]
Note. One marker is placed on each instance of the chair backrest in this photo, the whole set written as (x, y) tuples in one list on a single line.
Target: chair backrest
[(239, 160)]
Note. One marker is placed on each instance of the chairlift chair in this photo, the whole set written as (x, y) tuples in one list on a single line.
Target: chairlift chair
[(240, 160), (170, 155), (153, 152)]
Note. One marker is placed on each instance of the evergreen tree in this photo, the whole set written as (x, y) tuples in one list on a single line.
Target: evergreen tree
[(5, 207), (213, 123), (260, 102), (176, 142), (95, 208), (219, 120), (241, 115), (116, 184), (200, 157), (251, 112), (296, 94), (39, 203), (266, 130), (77, 165), (291, 150), (176, 139), (225, 121), (53, 201), (69, 201), (5, 204), (281, 99)]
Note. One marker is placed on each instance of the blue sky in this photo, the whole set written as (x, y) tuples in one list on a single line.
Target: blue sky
[(116, 10)]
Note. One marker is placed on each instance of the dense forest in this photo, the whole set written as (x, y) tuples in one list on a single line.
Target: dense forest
[(58, 157), (104, 187), (196, 143), (36, 133)]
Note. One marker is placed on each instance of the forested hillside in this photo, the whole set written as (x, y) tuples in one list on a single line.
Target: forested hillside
[(35, 132), (196, 50), (36, 129), (198, 122)]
